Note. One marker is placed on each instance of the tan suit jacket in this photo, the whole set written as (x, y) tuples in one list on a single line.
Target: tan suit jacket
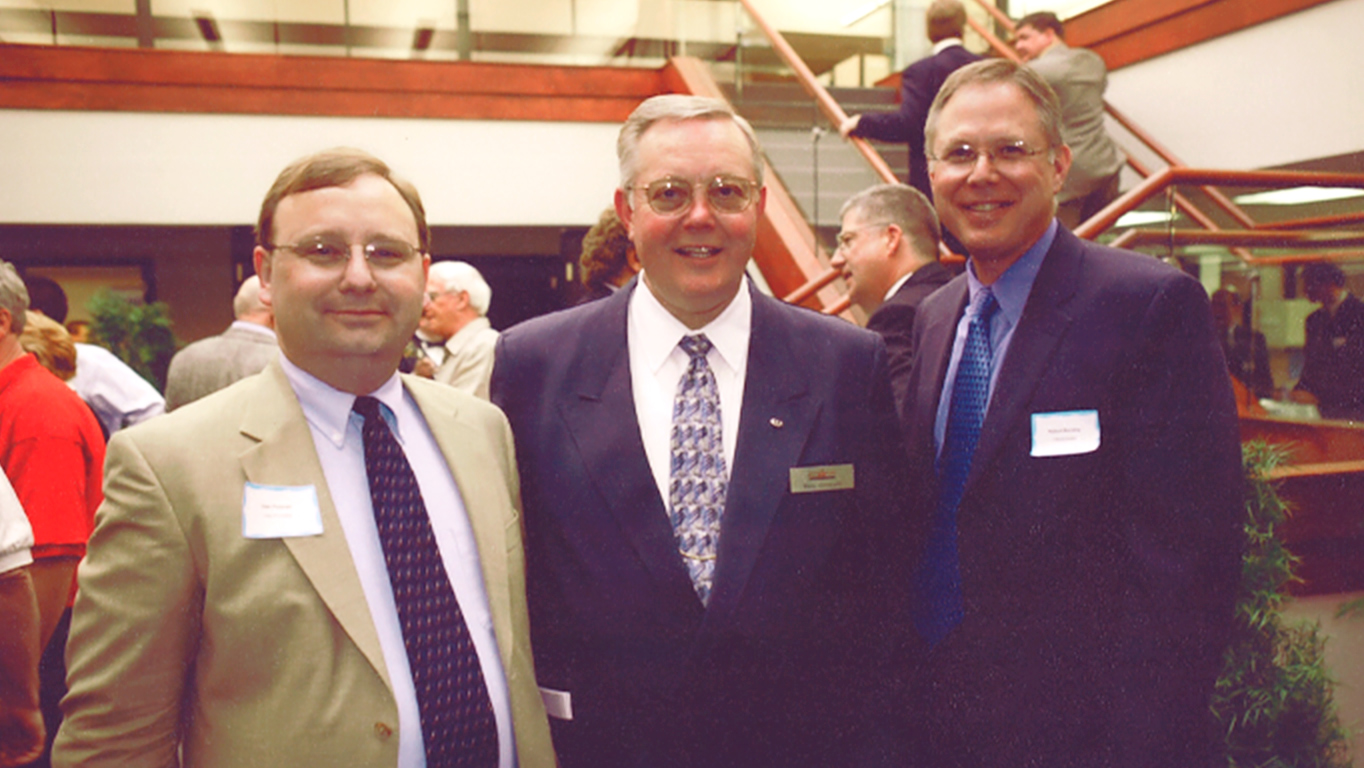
[(468, 363), (242, 652)]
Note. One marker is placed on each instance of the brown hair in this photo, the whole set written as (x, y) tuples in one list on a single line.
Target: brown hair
[(335, 168), (999, 71), (50, 343)]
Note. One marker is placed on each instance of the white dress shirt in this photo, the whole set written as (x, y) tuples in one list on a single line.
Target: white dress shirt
[(340, 449), (115, 392), (657, 364), (16, 535)]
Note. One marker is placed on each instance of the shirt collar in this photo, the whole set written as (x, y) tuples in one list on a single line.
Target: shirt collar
[(660, 331), (328, 409), (945, 43), (895, 287), (1012, 288)]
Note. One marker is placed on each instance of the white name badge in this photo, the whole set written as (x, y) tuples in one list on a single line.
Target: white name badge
[(1067, 433), (280, 511)]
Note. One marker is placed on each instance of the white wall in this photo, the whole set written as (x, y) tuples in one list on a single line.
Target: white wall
[(135, 168), (1280, 92)]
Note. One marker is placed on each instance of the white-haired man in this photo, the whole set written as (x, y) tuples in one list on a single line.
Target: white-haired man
[(454, 330)]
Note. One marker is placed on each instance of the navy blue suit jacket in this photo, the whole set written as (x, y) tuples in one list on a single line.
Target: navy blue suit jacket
[(919, 84), (1098, 587), (894, 320), (782, 666)]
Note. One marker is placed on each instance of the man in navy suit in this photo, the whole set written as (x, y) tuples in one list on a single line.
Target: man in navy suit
[(919, 83), (888, 252), (710, 482), (1076, 595)]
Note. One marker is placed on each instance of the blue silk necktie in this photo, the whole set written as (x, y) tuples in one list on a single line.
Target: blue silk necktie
[(940, 573), (458, 726), (698, 481)]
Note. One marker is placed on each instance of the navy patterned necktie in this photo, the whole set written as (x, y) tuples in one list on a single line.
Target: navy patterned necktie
[(458, 726), (698, 480), (940, 572)]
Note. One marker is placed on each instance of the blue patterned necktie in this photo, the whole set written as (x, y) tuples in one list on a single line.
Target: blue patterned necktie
[(457, 720), (698, 480), (940, 573)]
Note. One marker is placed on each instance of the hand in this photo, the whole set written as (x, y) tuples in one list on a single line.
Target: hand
[(1303, 396), (21, 735), (849, 125), (425, 368)]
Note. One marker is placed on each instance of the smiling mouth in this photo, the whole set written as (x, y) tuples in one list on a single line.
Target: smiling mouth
[(985, 207), (697, 251)]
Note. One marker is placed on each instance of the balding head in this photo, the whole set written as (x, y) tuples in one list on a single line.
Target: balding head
[(247, 306)]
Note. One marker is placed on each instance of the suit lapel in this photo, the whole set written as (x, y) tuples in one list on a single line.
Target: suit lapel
[(598, 408), (934, 355), (1043, 324), (774, 423), (477, 476), (285, 455)]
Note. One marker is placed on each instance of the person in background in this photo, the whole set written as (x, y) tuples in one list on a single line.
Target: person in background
[(118, 395), (322, 564), (21, 719), (1333, 357), (454, 330), (1079, 77), (919, 83), (608, 258), (244, 349), (1246, 351), (52, 451), (49, 342), (888, 252), (1078, 456)]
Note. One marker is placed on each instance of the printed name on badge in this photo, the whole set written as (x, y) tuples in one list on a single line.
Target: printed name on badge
[(280, 511), (830, 477), (1067, 433)]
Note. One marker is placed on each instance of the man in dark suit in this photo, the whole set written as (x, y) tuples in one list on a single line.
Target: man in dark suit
[(709, 481), (919, 83), (888, 251), (1075, 431)]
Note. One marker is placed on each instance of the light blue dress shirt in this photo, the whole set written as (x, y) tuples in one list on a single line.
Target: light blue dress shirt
[(340, 449)]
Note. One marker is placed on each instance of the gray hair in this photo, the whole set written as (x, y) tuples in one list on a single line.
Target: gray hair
[(905, 207), (13, 297), (248, 298), (459, 276), (999, 71), (677, 107)]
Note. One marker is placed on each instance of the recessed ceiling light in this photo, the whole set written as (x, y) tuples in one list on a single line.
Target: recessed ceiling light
[(1299, 196)]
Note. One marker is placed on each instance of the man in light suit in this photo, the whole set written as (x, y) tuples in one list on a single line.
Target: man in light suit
[(249, 601), (919, 83), (1078, 592), (244, 349), (1079, 77), (888, 252), (712, 520), (454, 331)]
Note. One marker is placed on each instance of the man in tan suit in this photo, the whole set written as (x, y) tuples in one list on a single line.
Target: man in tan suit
[(248, 598)]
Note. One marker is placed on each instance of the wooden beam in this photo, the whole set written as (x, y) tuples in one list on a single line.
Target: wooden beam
[(46, 77)]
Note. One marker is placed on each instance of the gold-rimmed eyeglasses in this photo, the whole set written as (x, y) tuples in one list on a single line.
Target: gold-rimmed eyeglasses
[(847, 236), (673, 196)]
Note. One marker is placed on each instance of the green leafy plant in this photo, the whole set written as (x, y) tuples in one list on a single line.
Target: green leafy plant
[(1274, 699), (139, 334)]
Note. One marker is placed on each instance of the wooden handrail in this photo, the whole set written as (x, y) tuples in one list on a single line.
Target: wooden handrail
[(827, 105), (1316, 222), (1250, 238)]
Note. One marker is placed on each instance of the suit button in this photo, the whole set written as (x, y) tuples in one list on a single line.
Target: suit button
[(382, 731)]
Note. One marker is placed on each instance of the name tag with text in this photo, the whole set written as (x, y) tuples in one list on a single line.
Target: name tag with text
[(280, 511), (830, 477), (1066, 433)]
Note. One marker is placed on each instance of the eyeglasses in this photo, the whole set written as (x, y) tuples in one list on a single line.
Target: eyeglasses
[(846, 237), (1006, 155), (672, 196), (333, 253)]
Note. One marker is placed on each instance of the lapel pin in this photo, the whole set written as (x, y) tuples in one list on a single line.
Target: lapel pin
[(776, 422)]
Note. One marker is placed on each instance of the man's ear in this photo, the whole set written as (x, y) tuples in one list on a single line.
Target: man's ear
[(260, 259), (6, 322)]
